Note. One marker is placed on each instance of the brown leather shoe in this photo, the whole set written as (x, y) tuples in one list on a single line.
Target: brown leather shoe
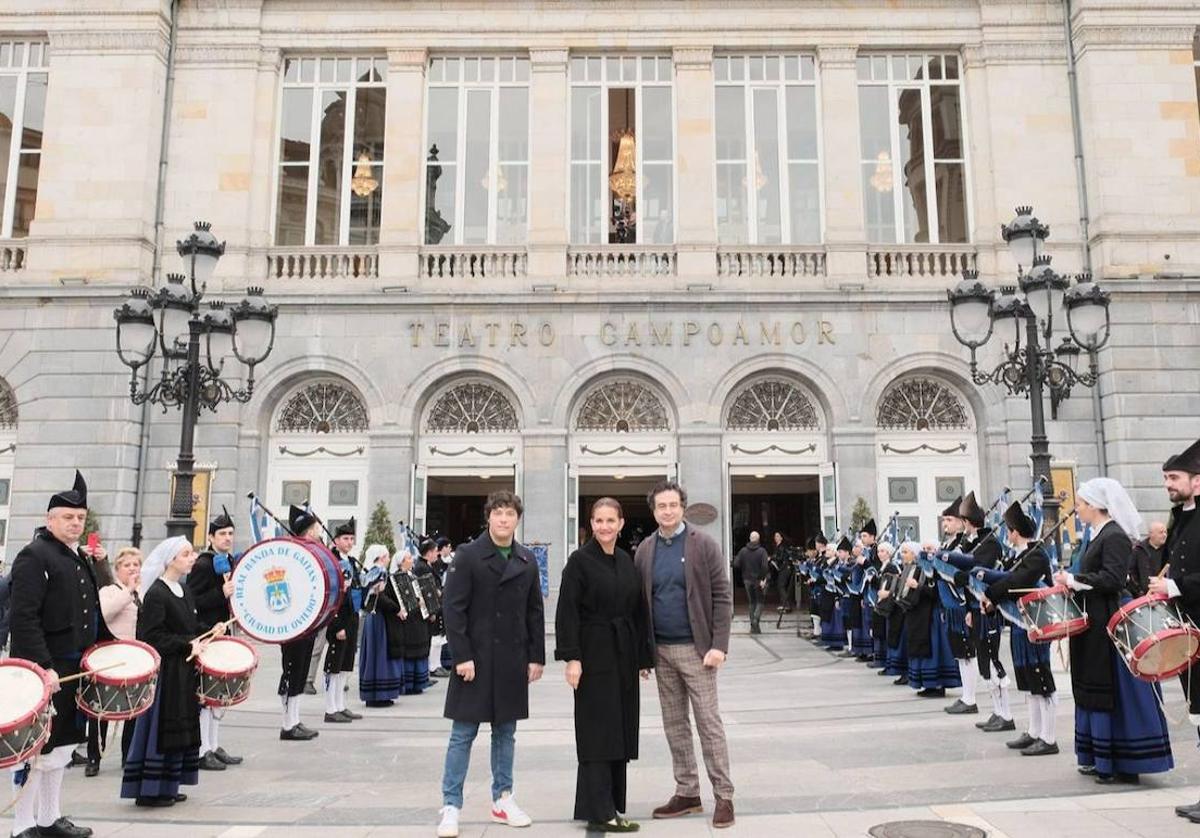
[(723, 814), (677, 806)]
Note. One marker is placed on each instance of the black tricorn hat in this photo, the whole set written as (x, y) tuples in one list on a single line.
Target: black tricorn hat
[(221, 522), (821, 540), (970, 510), (845, 544), (869, 527), (300, 519), (73, 498), (811, 544), (1018, 521), (1187, 460), (951, 511), (346, 528)]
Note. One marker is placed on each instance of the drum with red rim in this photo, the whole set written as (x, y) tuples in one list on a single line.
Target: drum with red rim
[(1052, 614), (121, 685), (285, 588), (25, 691), (1155, 639), (225, 665)]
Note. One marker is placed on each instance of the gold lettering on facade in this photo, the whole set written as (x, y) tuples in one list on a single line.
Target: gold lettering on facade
[(798, 333), (770, 336), (739, 336), (658, 338), (608, 334), (441, 333), (415, 327), (632, 336), (516, 334), (826, 334)]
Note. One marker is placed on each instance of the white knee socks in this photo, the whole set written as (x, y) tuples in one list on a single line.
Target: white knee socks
[(999, 691), (335, 692), (25, 809), (291, 712), (1049, 726), (967, 672), (49, 796), (1034, 703), (208, 731)]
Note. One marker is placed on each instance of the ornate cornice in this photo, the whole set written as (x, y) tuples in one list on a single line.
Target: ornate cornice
[(837, 56), (109, 42), (693, 57), (1093, 35), (221, 55), (1014, 52), (409, 57)]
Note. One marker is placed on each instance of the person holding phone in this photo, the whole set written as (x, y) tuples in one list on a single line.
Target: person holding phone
[(210, 584), (119, 603)]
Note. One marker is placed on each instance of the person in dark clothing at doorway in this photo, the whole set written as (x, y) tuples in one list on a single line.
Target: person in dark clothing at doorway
[(752, 563)]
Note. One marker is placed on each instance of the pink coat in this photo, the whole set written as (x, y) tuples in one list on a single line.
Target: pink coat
[(120, 611)]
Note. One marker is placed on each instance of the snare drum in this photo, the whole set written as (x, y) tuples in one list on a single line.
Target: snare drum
[(225, 666), (24, 710), (126, 690), (1155, 639), (285, 589), (1052, 614)]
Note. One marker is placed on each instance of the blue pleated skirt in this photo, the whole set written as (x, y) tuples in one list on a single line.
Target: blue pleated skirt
[(940, 669), (151, 773), (1032, 664), (1130, 739), (416, 675), (379, 677), (860, 638), (833, 632), (897, 657)]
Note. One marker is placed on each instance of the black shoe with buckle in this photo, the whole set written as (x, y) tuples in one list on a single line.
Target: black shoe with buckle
[(348, 715), (211, 762), (1000, 726), (227, 758), (336, 718), (990, 720), (1021, 742), (297, 734), (93, 768)]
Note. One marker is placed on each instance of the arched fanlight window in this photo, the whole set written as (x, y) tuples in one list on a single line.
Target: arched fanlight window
[(472, 407), (920, 403), (622, 405), (772, 403), (323, 407)]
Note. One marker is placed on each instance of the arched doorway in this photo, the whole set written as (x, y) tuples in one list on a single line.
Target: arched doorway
[(622, 443), (8, 447), (470, 446), (927, 452), (318, 452)]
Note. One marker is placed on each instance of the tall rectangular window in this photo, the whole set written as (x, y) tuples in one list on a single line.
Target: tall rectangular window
[(23, 81), (477, 150), (913, 155), (622, 150), (331, 129), (767, 149)]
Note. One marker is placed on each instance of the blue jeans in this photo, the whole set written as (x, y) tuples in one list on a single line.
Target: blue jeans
[(458, 760)]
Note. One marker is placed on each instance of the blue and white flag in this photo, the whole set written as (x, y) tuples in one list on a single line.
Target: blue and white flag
[(1037, 509), (262, 526)]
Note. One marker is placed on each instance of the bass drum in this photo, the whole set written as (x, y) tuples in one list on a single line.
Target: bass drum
[(285, 589)]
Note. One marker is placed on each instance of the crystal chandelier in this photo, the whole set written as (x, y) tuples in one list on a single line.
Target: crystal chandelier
[(623, 180), (363, 183)]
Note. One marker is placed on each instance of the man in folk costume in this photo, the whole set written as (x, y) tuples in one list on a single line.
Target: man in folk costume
[(211, 586), (344, 537), (962, 645), (342, 633), (55, 618), (297, 653), (1181, 475), (986, 629)]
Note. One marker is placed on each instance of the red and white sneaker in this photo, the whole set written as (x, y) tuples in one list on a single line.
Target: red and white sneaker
[(505, 810)]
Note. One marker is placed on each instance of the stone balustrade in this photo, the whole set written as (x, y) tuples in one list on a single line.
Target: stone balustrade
[(12, 256), (322, 263), (621, 260), (473, 262), (770, 261), (919, 260)]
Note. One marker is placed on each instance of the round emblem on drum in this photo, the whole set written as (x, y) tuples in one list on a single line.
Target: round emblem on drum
[(282, 590)]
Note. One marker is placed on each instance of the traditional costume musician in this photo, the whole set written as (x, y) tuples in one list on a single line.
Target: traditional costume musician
[(931, 667), (380, 676), (859, 613), (408, 625), (954, 607), (55, 617), (342, 632), (297, 653), (1120, 730), (1031, 661), (833, 620), (210, 586)]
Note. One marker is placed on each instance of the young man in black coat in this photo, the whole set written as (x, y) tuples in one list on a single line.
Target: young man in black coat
[(495, 623), (55, 618), (210, 584)]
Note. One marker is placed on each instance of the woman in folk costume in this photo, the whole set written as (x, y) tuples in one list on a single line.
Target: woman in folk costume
[(895, 661), (407, 629), (380, 677), (1120, 730), (165, 751), (1030, 660), (833, 620), (931, 665)]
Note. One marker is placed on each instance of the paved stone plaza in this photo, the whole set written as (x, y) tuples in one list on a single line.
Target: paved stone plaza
[(820, 747)]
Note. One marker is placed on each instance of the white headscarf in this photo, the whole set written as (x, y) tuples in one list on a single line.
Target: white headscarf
[(886, 545), (159, 558), (913, 546), (397, 560), (373, 554), (1106, 493)]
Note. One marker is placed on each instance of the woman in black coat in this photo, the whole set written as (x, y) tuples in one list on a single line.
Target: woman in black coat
[(1120, 730), (407, 631), (601, 629), (165, 751)]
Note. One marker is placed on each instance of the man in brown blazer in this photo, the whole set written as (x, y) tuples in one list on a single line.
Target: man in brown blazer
[(687, 590)]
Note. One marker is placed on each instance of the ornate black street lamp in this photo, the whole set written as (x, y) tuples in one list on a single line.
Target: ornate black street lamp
[(171, 321), (1031, 363)]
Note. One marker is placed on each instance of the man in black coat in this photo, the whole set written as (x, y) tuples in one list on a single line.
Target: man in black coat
[(55, 618), (495, 624), (210, 584), (1181, 476), (751, 562)]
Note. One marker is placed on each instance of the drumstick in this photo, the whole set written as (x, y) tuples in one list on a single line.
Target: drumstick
[(1163, 572), (210, 634), (88, 672)]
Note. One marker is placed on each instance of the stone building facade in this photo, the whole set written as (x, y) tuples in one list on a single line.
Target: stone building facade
[(575, 247)]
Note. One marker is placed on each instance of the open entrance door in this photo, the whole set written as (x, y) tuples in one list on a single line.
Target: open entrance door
[(788, 504), (829, 499), (630, 492), (454, 503)]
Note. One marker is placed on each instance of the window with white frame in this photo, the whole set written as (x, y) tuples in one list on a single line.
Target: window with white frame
[(23, 81), (477, 150), (914, 177), (767, 149), (622, 150), (331, 130)]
